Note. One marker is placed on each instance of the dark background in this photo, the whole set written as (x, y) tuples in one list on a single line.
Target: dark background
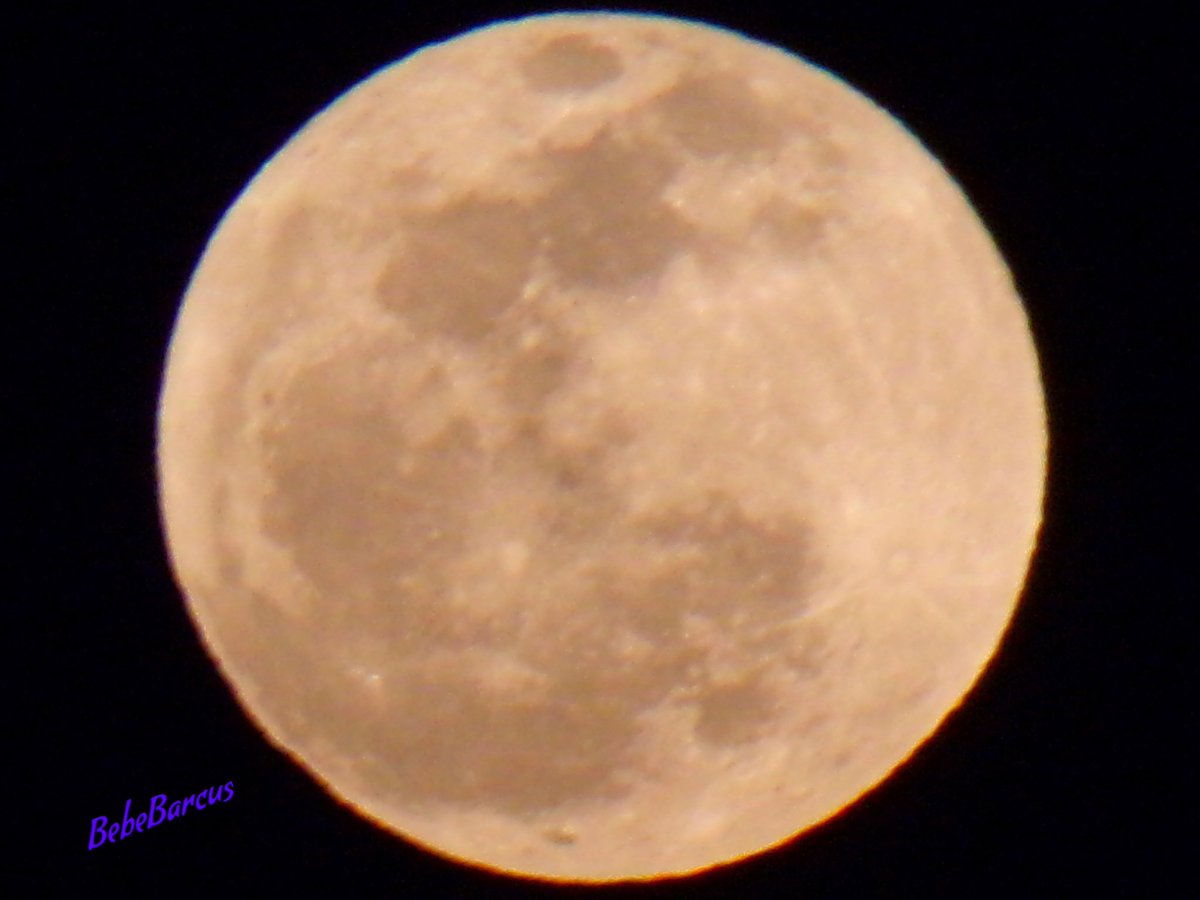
[(1064, 775)]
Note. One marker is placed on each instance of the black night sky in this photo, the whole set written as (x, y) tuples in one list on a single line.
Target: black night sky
[(134, 129)]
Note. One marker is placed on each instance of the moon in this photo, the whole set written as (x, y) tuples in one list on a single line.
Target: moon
[(601, 447)]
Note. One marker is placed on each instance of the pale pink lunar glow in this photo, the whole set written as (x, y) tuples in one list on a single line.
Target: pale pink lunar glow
[(601, 447)]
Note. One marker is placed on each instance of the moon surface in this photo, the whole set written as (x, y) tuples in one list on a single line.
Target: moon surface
[(601, 447)]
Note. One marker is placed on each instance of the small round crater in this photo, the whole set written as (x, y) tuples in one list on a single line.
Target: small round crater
[(572, 62)]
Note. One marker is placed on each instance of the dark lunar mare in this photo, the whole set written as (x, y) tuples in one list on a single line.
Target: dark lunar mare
[(381, 541)]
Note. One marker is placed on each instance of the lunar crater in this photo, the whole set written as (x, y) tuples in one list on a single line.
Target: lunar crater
[(571, 62)]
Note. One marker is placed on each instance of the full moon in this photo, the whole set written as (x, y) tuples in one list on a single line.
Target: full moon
[(601, 447)]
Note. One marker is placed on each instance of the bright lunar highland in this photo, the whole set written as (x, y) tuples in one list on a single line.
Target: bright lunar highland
[(601, 446)]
